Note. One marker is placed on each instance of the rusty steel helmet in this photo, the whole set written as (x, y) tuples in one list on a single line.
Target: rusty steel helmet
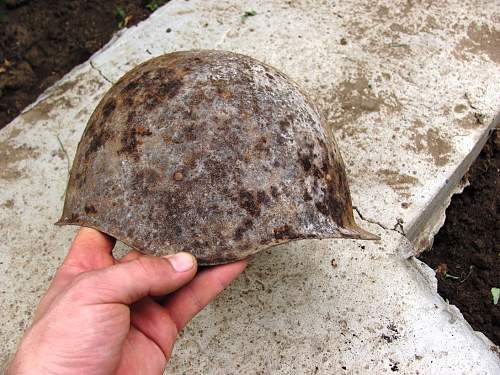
[(210, 152)]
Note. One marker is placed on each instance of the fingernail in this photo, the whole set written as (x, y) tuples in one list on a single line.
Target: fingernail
[(181, 262)]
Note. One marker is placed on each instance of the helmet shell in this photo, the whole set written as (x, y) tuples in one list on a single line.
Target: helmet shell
[(210, 152)]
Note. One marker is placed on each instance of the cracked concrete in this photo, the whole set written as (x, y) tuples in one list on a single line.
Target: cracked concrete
[(369, 220), (394, 94), (101, 74)]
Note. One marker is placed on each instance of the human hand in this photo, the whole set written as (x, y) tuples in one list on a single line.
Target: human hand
[(100, 315)]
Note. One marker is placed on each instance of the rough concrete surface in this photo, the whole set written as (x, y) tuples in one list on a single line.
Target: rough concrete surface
[(410, 89)]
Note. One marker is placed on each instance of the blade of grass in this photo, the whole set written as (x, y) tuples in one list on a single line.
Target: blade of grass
[(495, 293)]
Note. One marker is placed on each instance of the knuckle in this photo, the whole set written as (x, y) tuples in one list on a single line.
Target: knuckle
[(195, 299)]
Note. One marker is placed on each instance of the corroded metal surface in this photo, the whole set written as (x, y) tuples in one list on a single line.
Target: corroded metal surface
[(209, 152)]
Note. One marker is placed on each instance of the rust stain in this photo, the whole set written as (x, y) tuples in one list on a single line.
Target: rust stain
[(383, 11), (429, 142), (10, 156), (399, 182), (42, 111), (9, 204), (397, 29), (430, 24), (481, 40), (356, 97), (417, 137), (57, 98), (14, 132), (460, 108), (178, 176), (470, 121), (438, 148)]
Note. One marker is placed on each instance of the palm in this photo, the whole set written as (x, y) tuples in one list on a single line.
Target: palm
[(140, 355)]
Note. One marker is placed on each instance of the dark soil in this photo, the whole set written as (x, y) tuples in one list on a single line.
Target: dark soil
[(467, 246), (41, 40)]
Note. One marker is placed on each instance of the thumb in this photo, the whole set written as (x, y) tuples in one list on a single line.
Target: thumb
[(128, 282)]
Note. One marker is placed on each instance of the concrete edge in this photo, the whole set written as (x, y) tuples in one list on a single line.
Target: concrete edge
[(54, 89), (429, 278), (421, 232)]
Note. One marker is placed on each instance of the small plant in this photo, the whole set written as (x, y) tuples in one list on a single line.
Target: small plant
[(152, 6), (442, 270), (248, 13), (155, 4), (495, 293), (121, 17)]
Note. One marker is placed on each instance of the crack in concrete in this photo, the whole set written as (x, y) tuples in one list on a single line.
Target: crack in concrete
[(398, 227), (99, 71), (369, 220), (399, 224), (223, 38)]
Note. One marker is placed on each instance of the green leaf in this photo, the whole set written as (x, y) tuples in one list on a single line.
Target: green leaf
[(248, 13), (120, 13), (152, 6), (120, 17), (495, 292), (448, 276)]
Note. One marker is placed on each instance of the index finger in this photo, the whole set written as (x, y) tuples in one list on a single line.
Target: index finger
[(90, 250)]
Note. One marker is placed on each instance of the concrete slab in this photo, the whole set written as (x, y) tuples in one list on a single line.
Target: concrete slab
[(410, 92), (331, 308), (35, 153)]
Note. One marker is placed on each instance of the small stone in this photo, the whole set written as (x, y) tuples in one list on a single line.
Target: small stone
[(343, 41)]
